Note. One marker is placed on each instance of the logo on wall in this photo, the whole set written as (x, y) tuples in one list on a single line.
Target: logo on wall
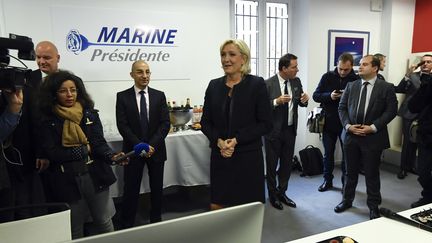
[(75, 42), (125, 44)]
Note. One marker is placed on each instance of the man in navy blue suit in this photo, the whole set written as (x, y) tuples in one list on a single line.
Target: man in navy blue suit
[(366, 107), (142, 116)]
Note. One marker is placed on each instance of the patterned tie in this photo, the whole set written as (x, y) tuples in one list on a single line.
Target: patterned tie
[(143, 114), (360, 111)]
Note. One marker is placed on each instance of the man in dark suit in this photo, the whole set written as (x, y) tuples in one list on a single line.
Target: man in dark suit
[(409, 85), (286, 94), (47, 59), (24, 149), (366, 107), (328, 93), (142, 116), (421, 103)]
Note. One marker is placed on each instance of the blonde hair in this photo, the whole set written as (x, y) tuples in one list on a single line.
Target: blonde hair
[(244, 50)]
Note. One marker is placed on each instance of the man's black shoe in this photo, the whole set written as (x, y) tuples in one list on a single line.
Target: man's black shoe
[(402, 174), (283, 198), (276, 203), (422, 201), (374, 213), (325, 186), (412, 171), (344, 205)]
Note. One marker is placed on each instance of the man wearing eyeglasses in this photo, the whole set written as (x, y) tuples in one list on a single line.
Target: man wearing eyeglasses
[(142, 116)]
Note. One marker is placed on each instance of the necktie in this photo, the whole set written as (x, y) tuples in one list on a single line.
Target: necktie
[(361, 108), (286, 105), (143, 114)]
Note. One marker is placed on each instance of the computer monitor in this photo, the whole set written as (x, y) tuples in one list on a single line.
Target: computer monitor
[(239, 224), (49, 228)]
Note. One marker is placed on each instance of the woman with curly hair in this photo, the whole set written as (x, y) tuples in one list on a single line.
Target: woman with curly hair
[(79, 173)]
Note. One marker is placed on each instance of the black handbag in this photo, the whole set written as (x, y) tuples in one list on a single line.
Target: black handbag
[(316, 120), (311, 160)]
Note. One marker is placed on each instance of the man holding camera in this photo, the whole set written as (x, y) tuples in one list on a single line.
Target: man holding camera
[(9, 173), (409, 85), (286, 95), (24, 138), (328, 93), (47, 59)]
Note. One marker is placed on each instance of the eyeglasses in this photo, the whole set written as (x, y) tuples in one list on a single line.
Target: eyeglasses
[(72, 91)]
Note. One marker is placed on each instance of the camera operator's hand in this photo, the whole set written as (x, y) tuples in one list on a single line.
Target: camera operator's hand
[(15, 100)]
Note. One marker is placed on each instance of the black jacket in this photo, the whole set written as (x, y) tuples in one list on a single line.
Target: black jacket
[(62, 183), (277, 112), (129, 125), (247, 118), (26, 134), (421, 102), (332, 81)]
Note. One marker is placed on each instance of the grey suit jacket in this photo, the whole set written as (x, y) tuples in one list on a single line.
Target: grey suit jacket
[(381, 110), (409, 88), (274, 91)]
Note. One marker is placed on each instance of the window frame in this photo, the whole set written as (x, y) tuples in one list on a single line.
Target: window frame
[(262, 36)]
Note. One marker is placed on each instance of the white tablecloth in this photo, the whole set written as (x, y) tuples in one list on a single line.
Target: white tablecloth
[(188, 162), (378, 230)]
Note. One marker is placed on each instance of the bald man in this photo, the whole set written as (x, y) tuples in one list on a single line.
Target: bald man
[(27, 184), (142, 116), (47, 57)]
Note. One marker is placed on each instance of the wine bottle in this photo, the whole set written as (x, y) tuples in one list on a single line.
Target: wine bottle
[(188, 105)]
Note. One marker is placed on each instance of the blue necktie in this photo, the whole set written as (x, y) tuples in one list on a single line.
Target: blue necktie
[(360, 111), (143, 114)]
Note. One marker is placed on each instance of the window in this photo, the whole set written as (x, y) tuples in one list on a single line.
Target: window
[(269, 41)]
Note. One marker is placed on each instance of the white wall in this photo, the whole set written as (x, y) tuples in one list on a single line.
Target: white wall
[(208, 25), (390, 33), (310, 20), (399, 33), (301, 32)]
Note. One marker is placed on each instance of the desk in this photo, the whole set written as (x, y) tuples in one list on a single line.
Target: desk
[(378, 230), (188, 162)]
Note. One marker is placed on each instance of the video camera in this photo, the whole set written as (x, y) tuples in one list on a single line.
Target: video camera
[(15, 77)]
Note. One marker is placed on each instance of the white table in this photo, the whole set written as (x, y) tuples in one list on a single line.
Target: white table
[(378, 230), (188, 162)]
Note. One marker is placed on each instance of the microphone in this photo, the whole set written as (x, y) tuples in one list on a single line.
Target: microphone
[(140, 150), (392, 215)]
